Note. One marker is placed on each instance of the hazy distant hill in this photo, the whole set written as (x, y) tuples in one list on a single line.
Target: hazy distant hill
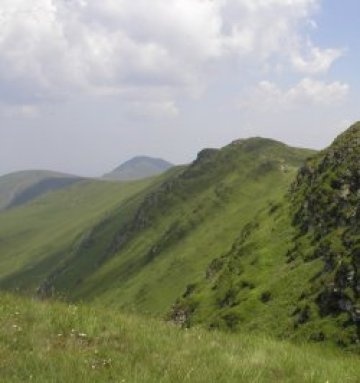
[(138, 168), (20, 187)]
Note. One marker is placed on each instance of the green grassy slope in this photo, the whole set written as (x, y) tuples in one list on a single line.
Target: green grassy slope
[(20, 187), (37, 238), (187, 222), (135, 247), (52, 342), (240, 240), (292, 271)]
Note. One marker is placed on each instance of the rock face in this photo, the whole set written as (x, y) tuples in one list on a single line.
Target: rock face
[(326, 197)]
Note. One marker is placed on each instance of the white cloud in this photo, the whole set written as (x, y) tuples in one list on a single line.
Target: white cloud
[(269, 97), (316, 60), (317, 92), (66, 48)]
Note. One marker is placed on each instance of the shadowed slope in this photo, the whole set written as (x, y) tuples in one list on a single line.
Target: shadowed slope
[(39, 237), (21, 187)]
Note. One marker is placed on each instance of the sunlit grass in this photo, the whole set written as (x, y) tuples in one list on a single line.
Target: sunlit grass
[(52, 342)]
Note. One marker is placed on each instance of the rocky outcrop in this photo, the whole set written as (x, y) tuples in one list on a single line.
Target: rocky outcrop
[(326, 200)]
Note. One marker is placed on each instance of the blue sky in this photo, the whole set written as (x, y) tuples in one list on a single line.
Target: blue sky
[(339, 26), (85, 85)]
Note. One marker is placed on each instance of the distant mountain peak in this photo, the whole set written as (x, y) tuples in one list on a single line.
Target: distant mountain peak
[(137, 168)]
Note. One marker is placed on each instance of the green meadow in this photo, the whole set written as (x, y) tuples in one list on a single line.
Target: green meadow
[(53, 342)]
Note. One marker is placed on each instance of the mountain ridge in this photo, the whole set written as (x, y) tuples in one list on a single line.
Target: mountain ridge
[(297, 261), (187, 203), (243, 234)]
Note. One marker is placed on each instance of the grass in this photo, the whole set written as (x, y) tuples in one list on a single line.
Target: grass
[(193, 223), (69, 238), (153, 286), (231, 298), (54, 342), (172, 232), (288, 274), (36, 237), (137, 246)]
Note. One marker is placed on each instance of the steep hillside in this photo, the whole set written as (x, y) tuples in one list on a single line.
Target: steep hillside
[(139, 168), (52, 342), (138, 245), (41, 236), (292, 271), (326, 201), (21, 187), (185, 223)]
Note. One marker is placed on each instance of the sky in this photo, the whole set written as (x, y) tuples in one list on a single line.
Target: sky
[(88, 84)]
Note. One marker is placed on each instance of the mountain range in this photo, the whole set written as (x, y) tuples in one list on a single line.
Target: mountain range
[(256, 237)]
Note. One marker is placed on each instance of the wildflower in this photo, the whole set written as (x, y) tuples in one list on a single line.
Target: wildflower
[(107, 363)]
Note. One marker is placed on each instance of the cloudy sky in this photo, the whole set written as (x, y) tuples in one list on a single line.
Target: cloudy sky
[(87, 84)]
